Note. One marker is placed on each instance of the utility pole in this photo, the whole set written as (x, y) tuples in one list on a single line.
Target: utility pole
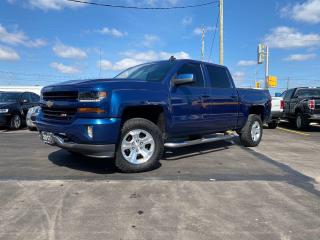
[(203, 43), (288, 83), (221, 33), (267, 67)]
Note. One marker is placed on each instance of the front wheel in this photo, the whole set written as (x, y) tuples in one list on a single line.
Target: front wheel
[(251, 133), (140, 147), (15, 122)]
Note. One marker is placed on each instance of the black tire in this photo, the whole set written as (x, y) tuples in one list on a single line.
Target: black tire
[(15, 122), (301, 122), (140, 124), (246, 137), (273, 124)]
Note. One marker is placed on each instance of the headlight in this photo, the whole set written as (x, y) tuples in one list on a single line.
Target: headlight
[(4, 110), (92, 96)]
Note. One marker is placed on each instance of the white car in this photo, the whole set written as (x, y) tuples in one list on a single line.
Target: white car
[(31, 117), (276, 112)]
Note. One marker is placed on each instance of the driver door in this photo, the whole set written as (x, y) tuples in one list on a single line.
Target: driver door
[(187, 102)]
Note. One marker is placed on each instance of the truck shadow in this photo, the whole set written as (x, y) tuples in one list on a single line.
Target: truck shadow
[(82, 163), (106, 165)]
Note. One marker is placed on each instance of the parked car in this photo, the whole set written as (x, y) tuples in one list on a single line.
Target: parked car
[(14, 107), (133, 116), (31, 117), (302, 106), (276, 112)]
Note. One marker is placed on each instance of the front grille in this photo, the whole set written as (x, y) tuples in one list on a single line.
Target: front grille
[(60, 96), (59, 113)]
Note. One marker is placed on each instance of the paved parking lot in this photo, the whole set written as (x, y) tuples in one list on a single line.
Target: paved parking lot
[(213, 191)]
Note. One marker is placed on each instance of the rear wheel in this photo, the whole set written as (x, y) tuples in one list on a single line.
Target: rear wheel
[(251, 133), (301, 122), (140, 147), (15, 122)]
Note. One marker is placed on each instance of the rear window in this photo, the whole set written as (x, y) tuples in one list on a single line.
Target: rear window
[(218, 77), (306, 93)]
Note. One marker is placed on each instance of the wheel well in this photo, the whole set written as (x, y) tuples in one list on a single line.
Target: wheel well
[(258, 110), (297, 110), (154, 114)]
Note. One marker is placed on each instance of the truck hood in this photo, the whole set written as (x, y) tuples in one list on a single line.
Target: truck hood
[(111, 83)]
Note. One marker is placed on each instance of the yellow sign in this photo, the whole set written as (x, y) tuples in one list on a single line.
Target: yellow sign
[(272, 81), (258, 85)]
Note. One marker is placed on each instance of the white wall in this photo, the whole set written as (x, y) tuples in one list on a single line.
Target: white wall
[(35, 89)]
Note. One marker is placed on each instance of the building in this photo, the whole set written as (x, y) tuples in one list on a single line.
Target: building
[(34, 89)]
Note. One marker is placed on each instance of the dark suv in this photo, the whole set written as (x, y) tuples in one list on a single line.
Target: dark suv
[(14, 107), (302, 106)]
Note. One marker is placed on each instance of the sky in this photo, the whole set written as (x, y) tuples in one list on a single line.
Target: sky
[(47, 41)]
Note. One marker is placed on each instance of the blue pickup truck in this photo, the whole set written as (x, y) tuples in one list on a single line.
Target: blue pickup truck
[(132, 117)]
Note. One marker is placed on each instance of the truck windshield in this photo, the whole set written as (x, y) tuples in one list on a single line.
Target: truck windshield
[(309, 93), (9, 97), (151, 72)]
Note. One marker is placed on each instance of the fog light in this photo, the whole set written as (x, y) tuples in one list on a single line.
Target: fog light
[(90, 131)]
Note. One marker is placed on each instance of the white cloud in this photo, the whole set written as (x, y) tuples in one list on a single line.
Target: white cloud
[(64, 68), (133, 58), (238, 76), (285, 37), (246, 63), (149, 40), (300, 57), (112, 32), (50, 4), (309, 11), (18, 37), (198, 30), (187, 20), (8, 54), (65, 51)]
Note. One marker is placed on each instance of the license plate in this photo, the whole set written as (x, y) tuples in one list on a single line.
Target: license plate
[(47, 137)]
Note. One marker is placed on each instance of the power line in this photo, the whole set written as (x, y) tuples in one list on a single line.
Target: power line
[(214, 37), (143, 8)]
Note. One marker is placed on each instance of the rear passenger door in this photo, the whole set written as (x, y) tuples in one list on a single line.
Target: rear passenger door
[(224, 102)]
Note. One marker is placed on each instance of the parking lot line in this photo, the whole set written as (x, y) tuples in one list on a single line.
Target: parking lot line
[(293, 131)]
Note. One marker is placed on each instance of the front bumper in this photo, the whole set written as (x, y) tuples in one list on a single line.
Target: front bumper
[(4, 119), (75, 137), (90, 150)]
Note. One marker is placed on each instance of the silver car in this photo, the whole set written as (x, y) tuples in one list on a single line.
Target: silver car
[(31, 117)]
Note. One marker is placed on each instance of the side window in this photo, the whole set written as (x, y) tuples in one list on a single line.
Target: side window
[(194, 69), (35, 98), (25, 96), (218, 77), (288, 95)]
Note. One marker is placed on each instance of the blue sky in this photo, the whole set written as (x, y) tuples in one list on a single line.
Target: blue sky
[(45, 41)]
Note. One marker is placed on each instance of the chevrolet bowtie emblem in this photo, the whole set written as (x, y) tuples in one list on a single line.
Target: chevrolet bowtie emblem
[(49, 104)]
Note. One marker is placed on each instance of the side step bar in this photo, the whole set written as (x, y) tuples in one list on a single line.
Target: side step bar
[(208, 139)]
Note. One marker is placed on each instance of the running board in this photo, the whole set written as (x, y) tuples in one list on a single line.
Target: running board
[(208, 139)]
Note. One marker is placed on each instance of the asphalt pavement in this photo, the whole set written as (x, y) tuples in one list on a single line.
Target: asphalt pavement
[(214, 191)]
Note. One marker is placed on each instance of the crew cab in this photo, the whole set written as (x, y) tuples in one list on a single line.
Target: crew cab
[(302, 106), (133, 116)]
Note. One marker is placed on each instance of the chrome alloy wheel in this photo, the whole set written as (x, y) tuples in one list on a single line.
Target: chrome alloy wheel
[(137, 146), (255, 131)]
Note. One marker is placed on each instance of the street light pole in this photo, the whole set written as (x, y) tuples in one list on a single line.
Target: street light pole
[(221, 33)]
